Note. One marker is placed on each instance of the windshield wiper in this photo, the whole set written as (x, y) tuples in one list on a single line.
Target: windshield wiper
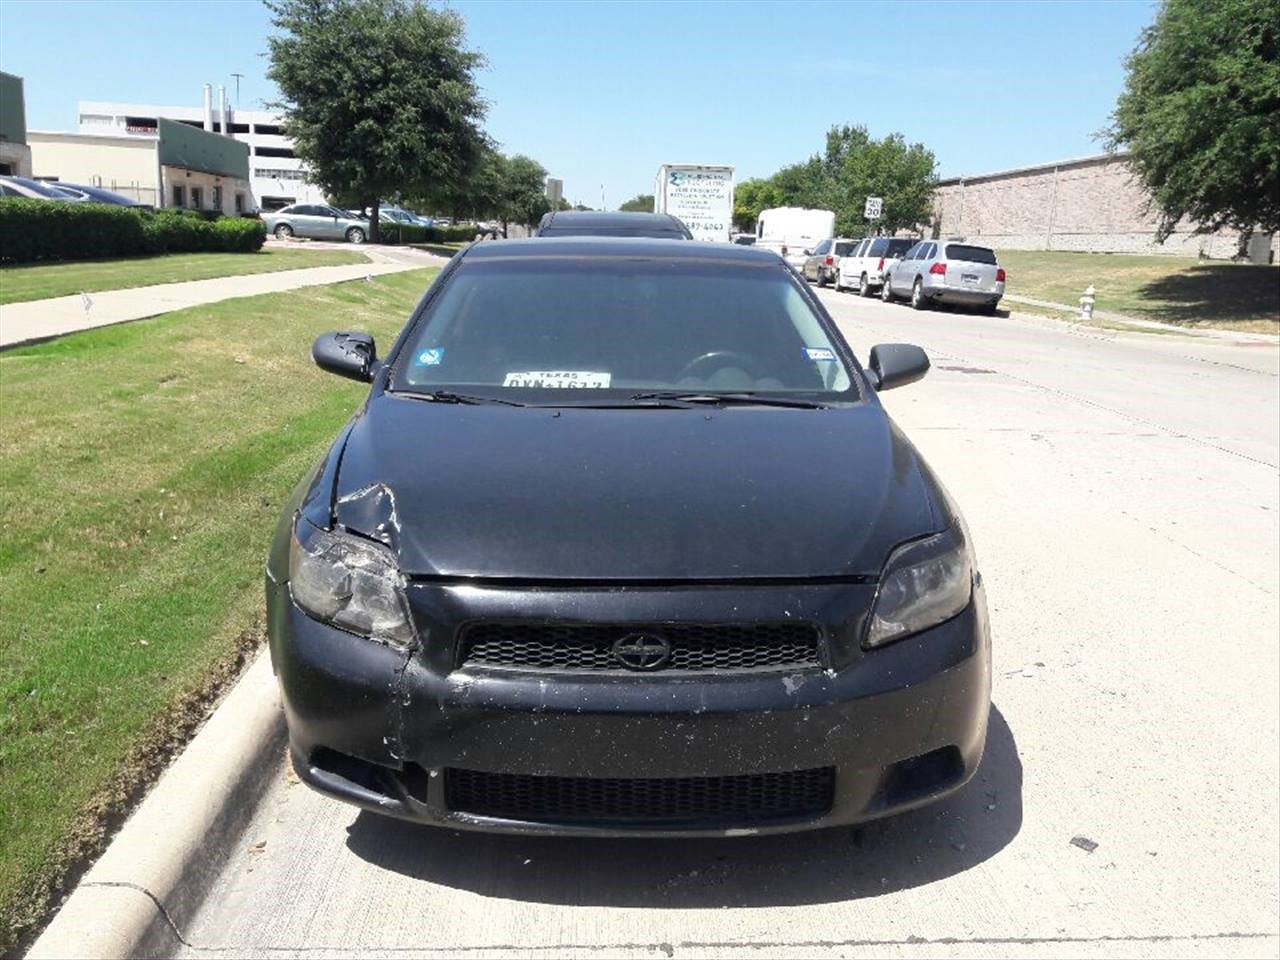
[(728, 399), (448, 396)]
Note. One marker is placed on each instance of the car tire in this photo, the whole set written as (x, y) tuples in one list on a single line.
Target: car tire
[(918, 299), (886, 292), (283, 231), (822, 278), (355, 235), (864, 288)]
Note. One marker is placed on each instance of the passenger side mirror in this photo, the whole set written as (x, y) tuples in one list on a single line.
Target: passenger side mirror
[(896, 364), (350, 355)]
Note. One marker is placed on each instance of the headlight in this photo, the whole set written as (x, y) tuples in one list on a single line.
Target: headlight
[(350, 582), (924, 583)]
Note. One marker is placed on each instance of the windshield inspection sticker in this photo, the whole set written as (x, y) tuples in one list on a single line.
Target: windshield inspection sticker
[(429, 358), (819, 353), (558, 379)]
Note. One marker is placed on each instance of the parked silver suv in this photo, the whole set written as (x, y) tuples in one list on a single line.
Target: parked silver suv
[(939, 271)]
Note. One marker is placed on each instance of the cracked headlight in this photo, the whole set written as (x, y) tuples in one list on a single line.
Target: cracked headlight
[(350, 582), (924, 583)]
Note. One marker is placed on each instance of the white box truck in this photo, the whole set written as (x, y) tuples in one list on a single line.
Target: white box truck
[(699, 194), (792, 231)]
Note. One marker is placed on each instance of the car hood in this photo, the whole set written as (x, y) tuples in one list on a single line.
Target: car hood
[(632, 494)]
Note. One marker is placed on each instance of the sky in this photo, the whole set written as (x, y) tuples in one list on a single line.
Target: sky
[(601, 93)]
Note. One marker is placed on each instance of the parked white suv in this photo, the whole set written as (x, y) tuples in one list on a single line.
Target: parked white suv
[(863, 269)]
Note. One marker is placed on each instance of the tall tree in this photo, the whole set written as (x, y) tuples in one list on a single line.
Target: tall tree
[(507, 189), (524, 195), (640, 203), (749, 198), (379, 96), (856, 166), (1198, 115)]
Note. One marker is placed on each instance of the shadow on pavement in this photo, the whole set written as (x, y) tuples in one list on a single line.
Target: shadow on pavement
[(818, 867)]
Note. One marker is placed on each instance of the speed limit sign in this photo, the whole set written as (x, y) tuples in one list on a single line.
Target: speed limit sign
[(874, 207)]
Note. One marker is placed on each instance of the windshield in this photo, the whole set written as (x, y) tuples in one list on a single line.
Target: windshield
[(529, 329), (962, 251), (45, 189)]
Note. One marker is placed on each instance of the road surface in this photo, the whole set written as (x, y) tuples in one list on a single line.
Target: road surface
[(1123, 493)]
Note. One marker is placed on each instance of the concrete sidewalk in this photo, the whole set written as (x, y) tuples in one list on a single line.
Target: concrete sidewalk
[(41, 319)]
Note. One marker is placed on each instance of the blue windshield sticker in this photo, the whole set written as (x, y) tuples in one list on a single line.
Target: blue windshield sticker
[(819, 353), (429, 358)]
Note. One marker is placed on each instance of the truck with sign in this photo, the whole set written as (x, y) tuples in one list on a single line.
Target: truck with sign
[(701, 195)]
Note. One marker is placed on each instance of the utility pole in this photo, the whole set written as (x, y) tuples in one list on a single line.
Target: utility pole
[(602, 197), (237, 76)]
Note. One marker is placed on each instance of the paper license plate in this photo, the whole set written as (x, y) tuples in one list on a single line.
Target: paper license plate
[(558, 379)]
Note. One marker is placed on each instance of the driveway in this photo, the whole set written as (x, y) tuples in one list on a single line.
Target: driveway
[(1124, 497)]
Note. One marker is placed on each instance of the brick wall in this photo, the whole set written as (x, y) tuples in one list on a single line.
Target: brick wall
[(1093, 205)]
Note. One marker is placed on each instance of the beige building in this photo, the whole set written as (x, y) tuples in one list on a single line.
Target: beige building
[(1091, 204), (178, 166)]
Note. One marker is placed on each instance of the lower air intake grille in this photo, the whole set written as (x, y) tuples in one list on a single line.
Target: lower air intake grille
[(734, 799), (690, 647)]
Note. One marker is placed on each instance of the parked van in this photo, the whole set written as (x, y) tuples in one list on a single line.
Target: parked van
[(793, 232)]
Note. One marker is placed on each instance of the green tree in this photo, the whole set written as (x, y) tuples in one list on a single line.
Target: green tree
[(379, 96), (856, 166), (524, 193), (1198, 115), (640, 203), (749, 198), (507, 189)]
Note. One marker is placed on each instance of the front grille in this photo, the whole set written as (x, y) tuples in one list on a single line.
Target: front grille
[(590, 647), (735, 799)]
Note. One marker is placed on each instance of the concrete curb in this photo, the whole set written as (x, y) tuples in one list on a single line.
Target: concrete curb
[(136, 899)]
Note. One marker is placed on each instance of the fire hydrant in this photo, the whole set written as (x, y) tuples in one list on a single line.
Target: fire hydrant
[(1086, 304)]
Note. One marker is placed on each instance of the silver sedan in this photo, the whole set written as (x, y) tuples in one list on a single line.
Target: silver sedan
[(316, 220)]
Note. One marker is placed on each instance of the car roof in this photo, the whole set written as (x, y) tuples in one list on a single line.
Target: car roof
[(608, 218), (614, 219), (654, 248)]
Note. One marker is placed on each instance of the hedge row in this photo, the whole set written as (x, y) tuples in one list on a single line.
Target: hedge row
[(393, 232), (50, 230)]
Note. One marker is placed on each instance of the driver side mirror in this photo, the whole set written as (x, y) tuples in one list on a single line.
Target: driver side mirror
[(350, 355), (896, 364)]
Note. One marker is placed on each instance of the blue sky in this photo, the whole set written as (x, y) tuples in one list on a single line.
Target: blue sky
[(602, 93)]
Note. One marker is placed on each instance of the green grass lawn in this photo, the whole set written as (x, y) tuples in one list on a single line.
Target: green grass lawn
[(142, 467), (1183, 291), (38, 281)]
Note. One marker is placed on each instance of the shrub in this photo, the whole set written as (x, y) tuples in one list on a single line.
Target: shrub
[(240, 235), (177, 231), (50, 230), (393, 232)]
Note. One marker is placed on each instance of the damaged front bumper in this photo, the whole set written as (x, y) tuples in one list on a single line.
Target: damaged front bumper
[(864, 734)]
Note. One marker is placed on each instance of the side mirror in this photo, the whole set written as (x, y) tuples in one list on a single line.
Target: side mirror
[(350, 355), (896, 364), (808, 251)]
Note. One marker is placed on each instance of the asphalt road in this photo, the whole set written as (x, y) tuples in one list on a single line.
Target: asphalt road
[(1124, 496)]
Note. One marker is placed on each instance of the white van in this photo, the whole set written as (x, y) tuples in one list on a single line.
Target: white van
[(793, 232)]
